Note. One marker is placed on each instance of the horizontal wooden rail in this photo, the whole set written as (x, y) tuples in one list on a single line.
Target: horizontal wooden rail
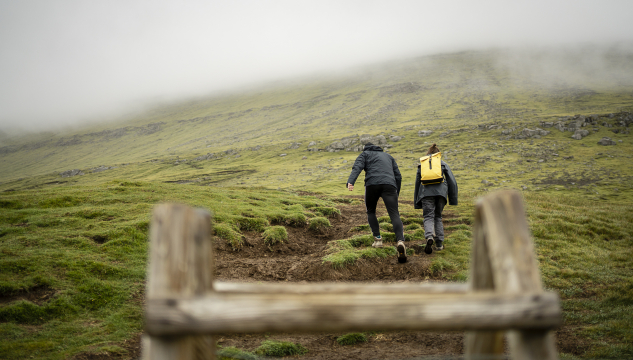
[(226, 312), (341, 288)]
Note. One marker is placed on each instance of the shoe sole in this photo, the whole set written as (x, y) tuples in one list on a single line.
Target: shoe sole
[(428, 249), (402, 254)]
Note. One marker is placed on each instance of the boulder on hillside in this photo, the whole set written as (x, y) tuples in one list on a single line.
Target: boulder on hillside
[(294, 146), (102, 168), (560, 126), (312, 143), (395, 138), (579, 134), (424, 133), (529, 133), (256, 148), (605, 141), (70, 173), (205, 157)]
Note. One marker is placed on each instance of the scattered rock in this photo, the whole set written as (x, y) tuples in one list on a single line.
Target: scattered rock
[(205, 157), (70, 173), (395, 138), (568, 157), (294, 146), (579, 134), (423, 133), (304, 158), (312, 143), (102, 168), (605, 141), (283, 155), (256, 148)]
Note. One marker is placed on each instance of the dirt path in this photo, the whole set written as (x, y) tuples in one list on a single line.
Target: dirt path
[(299, 260)]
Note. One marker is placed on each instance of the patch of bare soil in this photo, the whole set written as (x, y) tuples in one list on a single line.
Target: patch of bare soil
[(132, 350), (37, 295), (300, 260)]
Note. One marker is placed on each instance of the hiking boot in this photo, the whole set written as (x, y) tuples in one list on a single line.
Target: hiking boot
[(402, 252), (377, 242), (439, 245), (429, 246)]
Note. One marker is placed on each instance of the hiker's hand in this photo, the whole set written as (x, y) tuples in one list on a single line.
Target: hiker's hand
[(350, 187)]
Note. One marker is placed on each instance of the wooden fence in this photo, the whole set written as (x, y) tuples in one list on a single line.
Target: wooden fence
[(185, 307)]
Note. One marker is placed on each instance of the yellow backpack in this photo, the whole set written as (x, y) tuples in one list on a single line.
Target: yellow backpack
[(431, 169)]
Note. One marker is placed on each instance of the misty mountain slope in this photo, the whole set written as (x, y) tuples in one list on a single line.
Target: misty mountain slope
[(449, 94)]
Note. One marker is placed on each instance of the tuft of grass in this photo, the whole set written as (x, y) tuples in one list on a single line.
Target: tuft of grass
[(227, 233), (413, 226), (251, 224), (351, 339), (439, 265), (326, 211), (319, 223), (233, 353), (280, 348), (347, 255), (275, 234), (363, 227), (386, 226)]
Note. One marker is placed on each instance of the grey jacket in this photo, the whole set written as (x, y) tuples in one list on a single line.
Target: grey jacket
[(447, 188), (380, 168)]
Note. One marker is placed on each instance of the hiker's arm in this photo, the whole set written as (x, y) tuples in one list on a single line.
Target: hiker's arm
[(359, 165), (452, 186), (416, 190), (396, 173)]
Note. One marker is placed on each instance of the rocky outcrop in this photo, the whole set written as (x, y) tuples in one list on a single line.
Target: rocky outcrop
[(205, 157), (355, 143), (102, 168), (71, 173), (529, 133), (579, 134), (605, 141)]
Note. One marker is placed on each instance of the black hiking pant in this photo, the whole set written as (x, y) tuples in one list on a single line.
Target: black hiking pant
[(389, 195)]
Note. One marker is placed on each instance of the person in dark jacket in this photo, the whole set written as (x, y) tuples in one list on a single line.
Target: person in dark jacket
[(382, 179), (432, 199)]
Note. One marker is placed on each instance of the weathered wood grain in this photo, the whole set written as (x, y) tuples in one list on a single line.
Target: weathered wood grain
[(181, 265), (479, 344), (341, 288), (251, 312), (514, 266)]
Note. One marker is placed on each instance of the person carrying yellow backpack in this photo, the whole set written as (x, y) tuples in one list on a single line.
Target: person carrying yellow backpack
[(435, 185)]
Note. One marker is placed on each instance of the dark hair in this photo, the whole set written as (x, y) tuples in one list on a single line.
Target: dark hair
[(433, 149)]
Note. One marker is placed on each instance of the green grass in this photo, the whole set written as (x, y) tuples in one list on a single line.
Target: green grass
[(351, 339), (233, 353), (280, 349), (319, 223), (84, 239), (91, 258), (274, 235)]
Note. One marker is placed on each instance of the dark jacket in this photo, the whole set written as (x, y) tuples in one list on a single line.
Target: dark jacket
[(380, 168), (447, 188)]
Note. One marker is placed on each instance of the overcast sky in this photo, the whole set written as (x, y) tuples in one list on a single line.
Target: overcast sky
[(64, 62)]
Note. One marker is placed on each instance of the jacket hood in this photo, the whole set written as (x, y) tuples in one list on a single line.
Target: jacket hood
[(372, 148)]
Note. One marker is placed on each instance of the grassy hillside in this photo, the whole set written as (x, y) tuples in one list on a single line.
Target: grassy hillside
[(73, 249)]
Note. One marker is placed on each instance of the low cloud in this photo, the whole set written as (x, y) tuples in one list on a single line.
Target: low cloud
[(68, 62)]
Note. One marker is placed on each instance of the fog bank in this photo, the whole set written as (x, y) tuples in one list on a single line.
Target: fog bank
[(68, 62)]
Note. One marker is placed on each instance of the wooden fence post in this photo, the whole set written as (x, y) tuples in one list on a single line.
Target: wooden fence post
[(181, 265), (502, 240)]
